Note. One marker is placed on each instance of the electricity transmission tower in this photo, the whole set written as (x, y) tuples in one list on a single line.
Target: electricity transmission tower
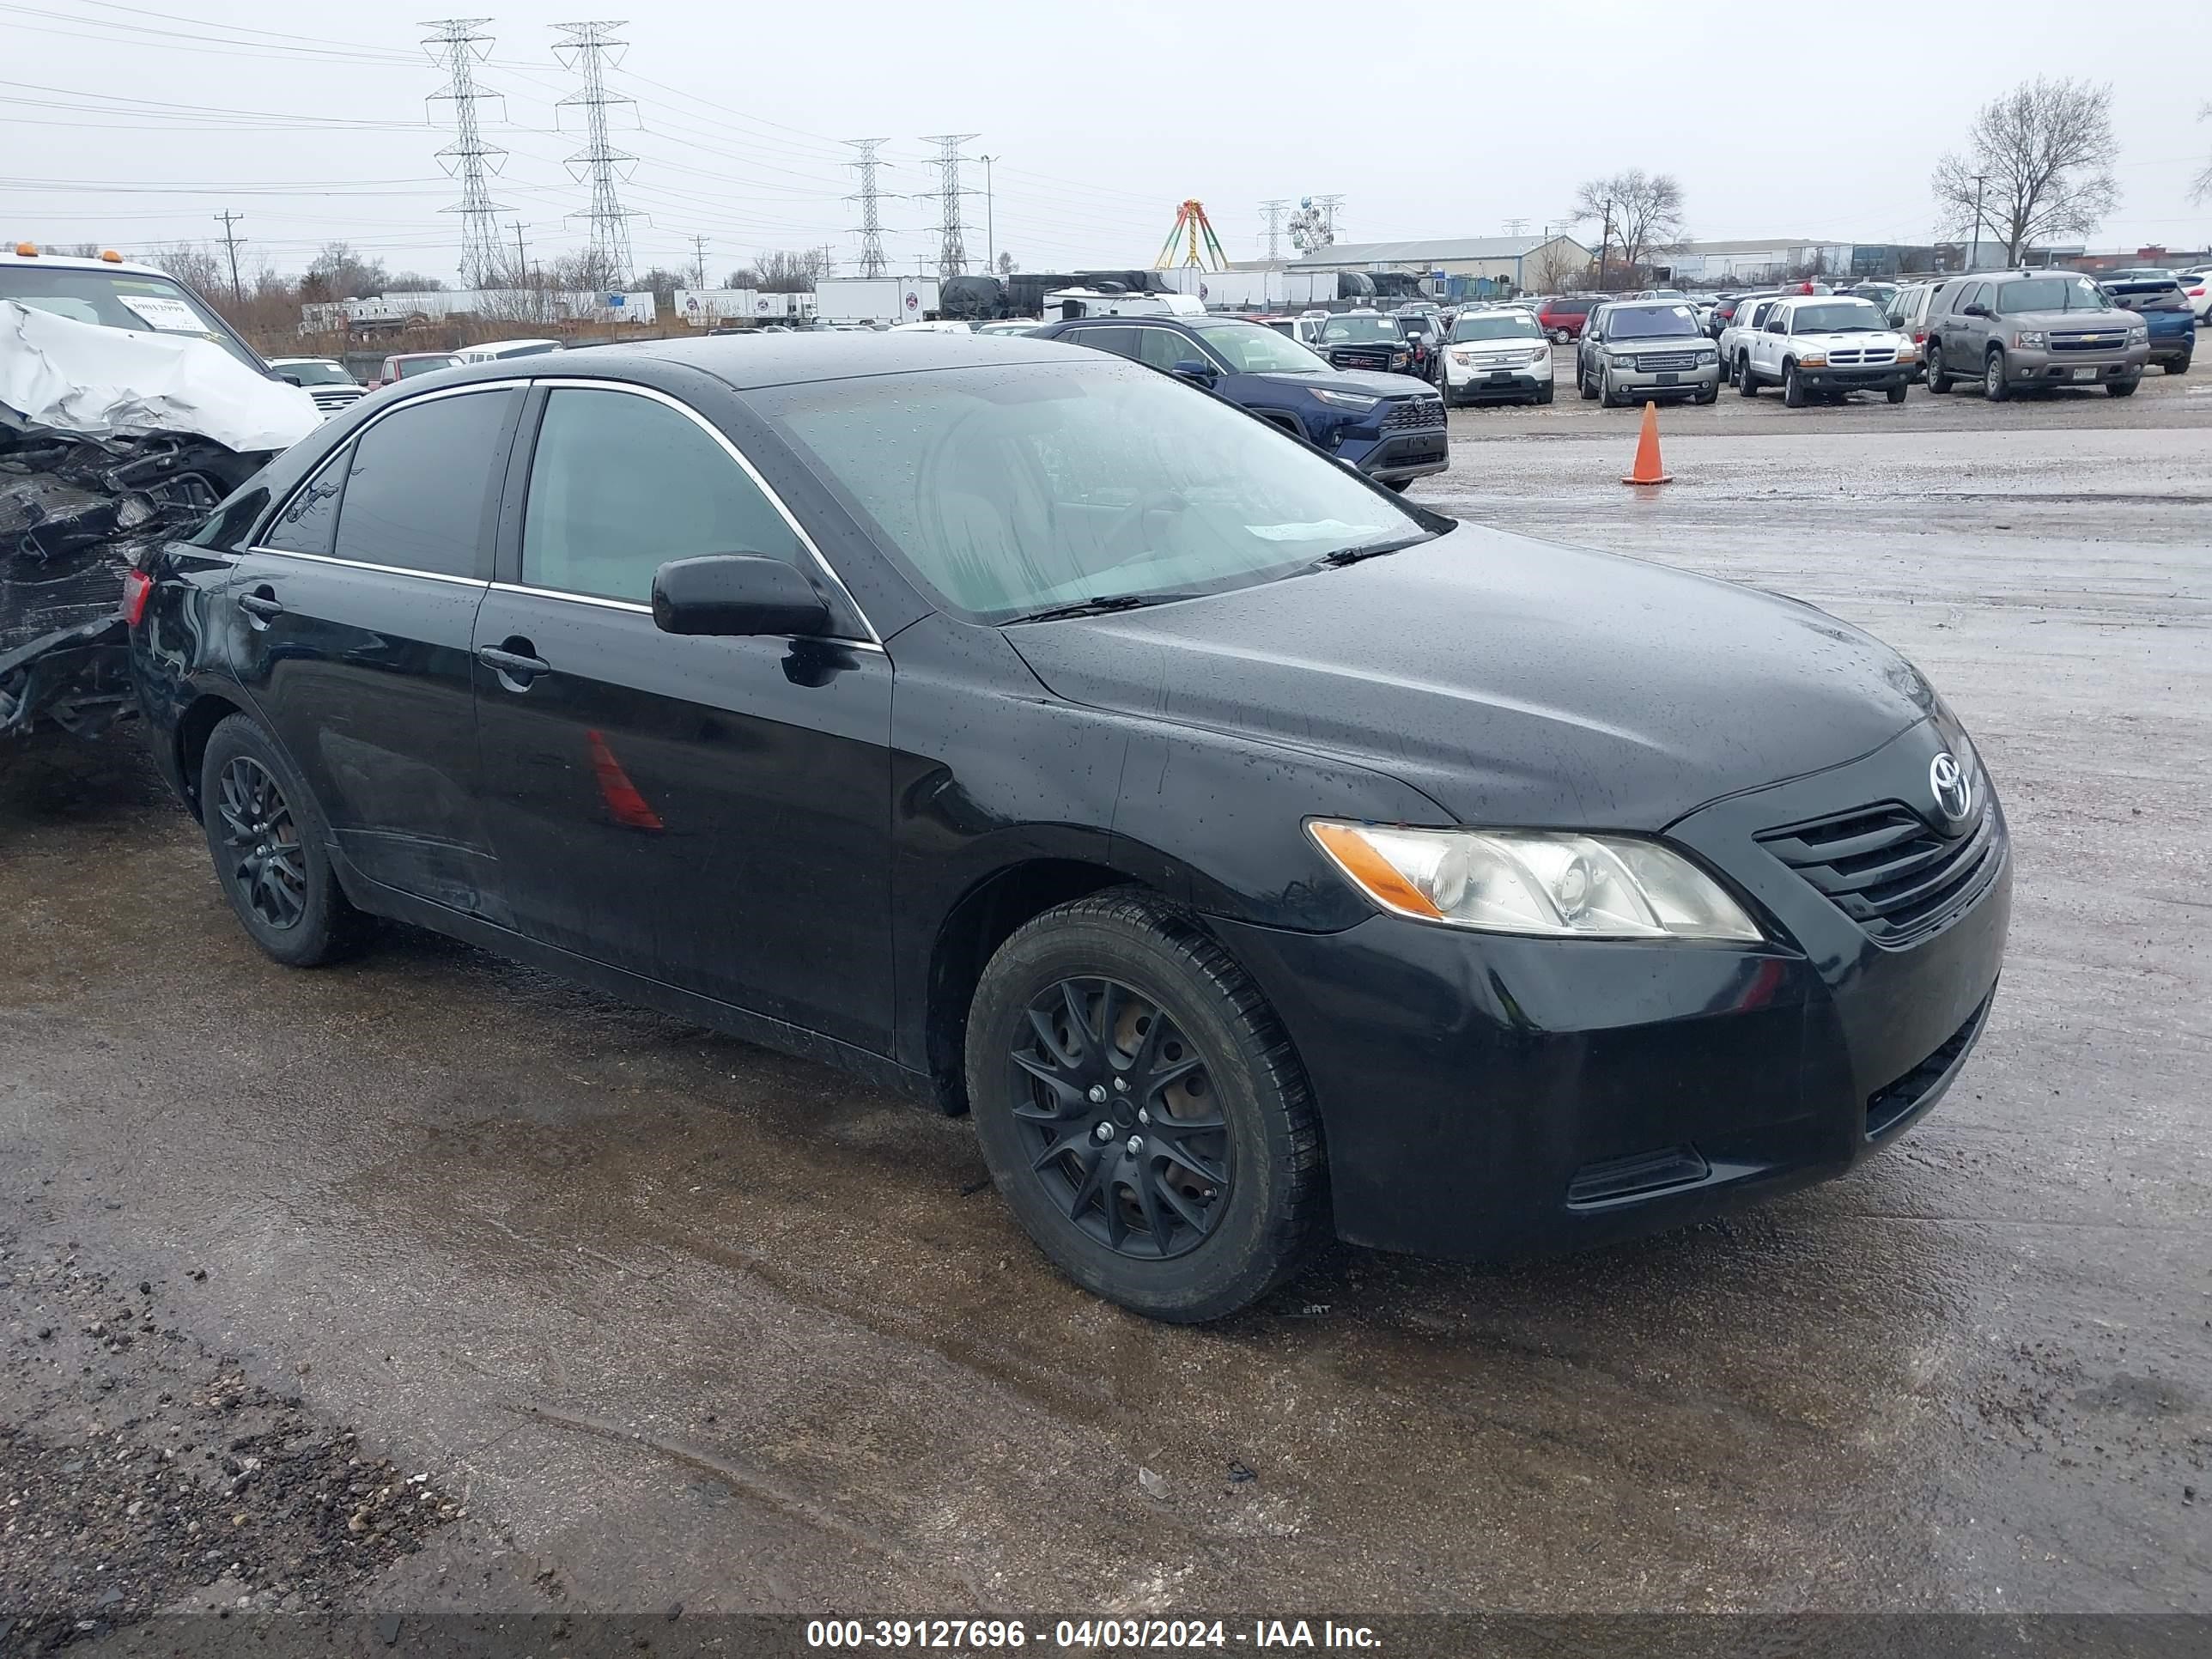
[(870, 227), (952, 250), (1273, 212), (456, 43), (584, 53)]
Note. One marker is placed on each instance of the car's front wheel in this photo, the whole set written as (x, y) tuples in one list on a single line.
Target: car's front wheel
[(270, 849), (1897, 393), (2123, 388), (1747, 383), (1544, 392), (1938, 381), (1793, 388), (1583, 381), (1141, 1109), (1997, 385)]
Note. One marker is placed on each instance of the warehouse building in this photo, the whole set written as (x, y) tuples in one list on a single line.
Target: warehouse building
[(1527, 263)]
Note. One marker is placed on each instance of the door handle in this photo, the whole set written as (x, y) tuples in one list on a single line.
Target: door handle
[(260, 606), (516, 668)]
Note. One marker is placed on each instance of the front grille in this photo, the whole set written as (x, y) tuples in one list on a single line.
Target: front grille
[(335, 396), (1361, 356), (2088, 342), (1407, 413), (1867, 357), (1887, 1104), (1653, 362), (1888, 870)]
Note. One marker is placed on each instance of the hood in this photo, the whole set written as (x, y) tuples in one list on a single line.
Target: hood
[(62, 375), (1837, 340), (1690, 341), (1514, 682), (2075, 320), (1374, 382)]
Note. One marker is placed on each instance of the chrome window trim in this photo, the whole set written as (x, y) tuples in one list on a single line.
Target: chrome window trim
[(364, 564), (346, 448), (593, 384), (633, 606)]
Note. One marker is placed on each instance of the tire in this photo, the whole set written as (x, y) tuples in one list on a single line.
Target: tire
[(2180, 365), (1106, 988), (1938, 381), (1605, 395), (1581, 381), (1711, 394), (270, 846), (2123, 388), (1896, 393), (1994, 386), (1793, 389), (1544, 392), (1747, 383)]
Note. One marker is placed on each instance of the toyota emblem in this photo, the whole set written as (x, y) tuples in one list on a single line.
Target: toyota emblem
[(1954, 795)]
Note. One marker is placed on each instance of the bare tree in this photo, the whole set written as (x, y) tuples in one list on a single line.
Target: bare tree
[(338, 273), (1559, 265), (1643, 210), (414, 281), (2037, 164), (198, 265), (1006, 266)]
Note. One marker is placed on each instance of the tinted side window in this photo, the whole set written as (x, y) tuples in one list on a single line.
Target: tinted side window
[(423, 488), (309, 522), (621, 484), (1121, 341)]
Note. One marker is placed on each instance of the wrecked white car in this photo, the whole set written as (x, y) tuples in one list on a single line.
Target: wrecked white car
[(128, 408)]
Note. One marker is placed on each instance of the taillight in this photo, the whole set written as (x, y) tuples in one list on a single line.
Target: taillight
[(138, 588)]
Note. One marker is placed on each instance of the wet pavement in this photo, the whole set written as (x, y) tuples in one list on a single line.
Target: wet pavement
[(662, 1319)]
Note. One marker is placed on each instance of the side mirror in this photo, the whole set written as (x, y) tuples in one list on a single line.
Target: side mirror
[(291, 379), (1977, 310), (735, 593), (1191, 369)]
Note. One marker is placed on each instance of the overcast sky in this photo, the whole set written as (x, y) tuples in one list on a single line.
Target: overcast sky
[(132, 124)]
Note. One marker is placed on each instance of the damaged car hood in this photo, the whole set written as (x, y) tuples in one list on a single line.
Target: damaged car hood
[(57, 375)]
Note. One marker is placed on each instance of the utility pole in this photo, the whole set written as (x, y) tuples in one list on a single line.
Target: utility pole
[(870, 227), (228, 220), (990, 220), (698, 262), (1604, 246), (1974, 260), (584, 53), (952, 250), (521, 260), (460, 46), (1272, 211)]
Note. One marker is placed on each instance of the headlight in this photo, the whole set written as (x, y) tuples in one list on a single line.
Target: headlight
[(2139, 331), (1539, 353), (1622, 359), (1907, 352), (1707, 359), (1552, 883), (2030, 336), (1461, 359), (1346, 399), (1814, 359)]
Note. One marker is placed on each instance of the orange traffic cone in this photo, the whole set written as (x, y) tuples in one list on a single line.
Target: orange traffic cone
[(1648, 470)]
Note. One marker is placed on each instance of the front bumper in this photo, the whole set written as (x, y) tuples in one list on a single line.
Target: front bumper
[(1485, 1096), (2029, 366), (1879, 378), (1522, 380), (1401, 455), (2177, 346), (1668, 383)]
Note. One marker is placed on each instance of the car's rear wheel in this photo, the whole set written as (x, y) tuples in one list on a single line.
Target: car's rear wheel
[(1996, 387), (1938, 381), (1793, 388), (270, 848), (1142, 1111)]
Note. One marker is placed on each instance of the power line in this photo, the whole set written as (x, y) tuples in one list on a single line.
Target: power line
[(584, 53), (1271, 211), (456, 40), (952, 250), (870, 227)]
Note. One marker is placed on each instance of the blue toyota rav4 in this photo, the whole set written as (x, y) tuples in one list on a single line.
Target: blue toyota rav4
[(1390, 427)]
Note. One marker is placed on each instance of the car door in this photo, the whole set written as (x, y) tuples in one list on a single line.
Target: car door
[(711, 814), (1767, 344), (356, 615)]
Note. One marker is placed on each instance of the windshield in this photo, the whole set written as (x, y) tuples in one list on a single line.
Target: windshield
[(1497, 325), (424, 365), (309, 371), (1838, 317), (1650, 322), (1252, 350), (1016, 489), (117, 299), (1359, 329), (2050, 293)]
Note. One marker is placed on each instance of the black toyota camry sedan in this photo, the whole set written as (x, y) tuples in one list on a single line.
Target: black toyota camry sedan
[(1251, 852)]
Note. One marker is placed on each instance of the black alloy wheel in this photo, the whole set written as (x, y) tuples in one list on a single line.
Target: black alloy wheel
[(266, 866), (1121, 1118)]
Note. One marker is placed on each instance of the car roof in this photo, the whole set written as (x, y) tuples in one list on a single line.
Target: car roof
[(782, 358), (71, 262)]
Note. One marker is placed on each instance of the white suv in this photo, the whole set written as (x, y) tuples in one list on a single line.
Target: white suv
[(1825, 345), (1500, 354)]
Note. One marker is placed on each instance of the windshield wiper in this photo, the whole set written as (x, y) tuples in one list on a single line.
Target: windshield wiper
[(1372, 550), (1099, 607)]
